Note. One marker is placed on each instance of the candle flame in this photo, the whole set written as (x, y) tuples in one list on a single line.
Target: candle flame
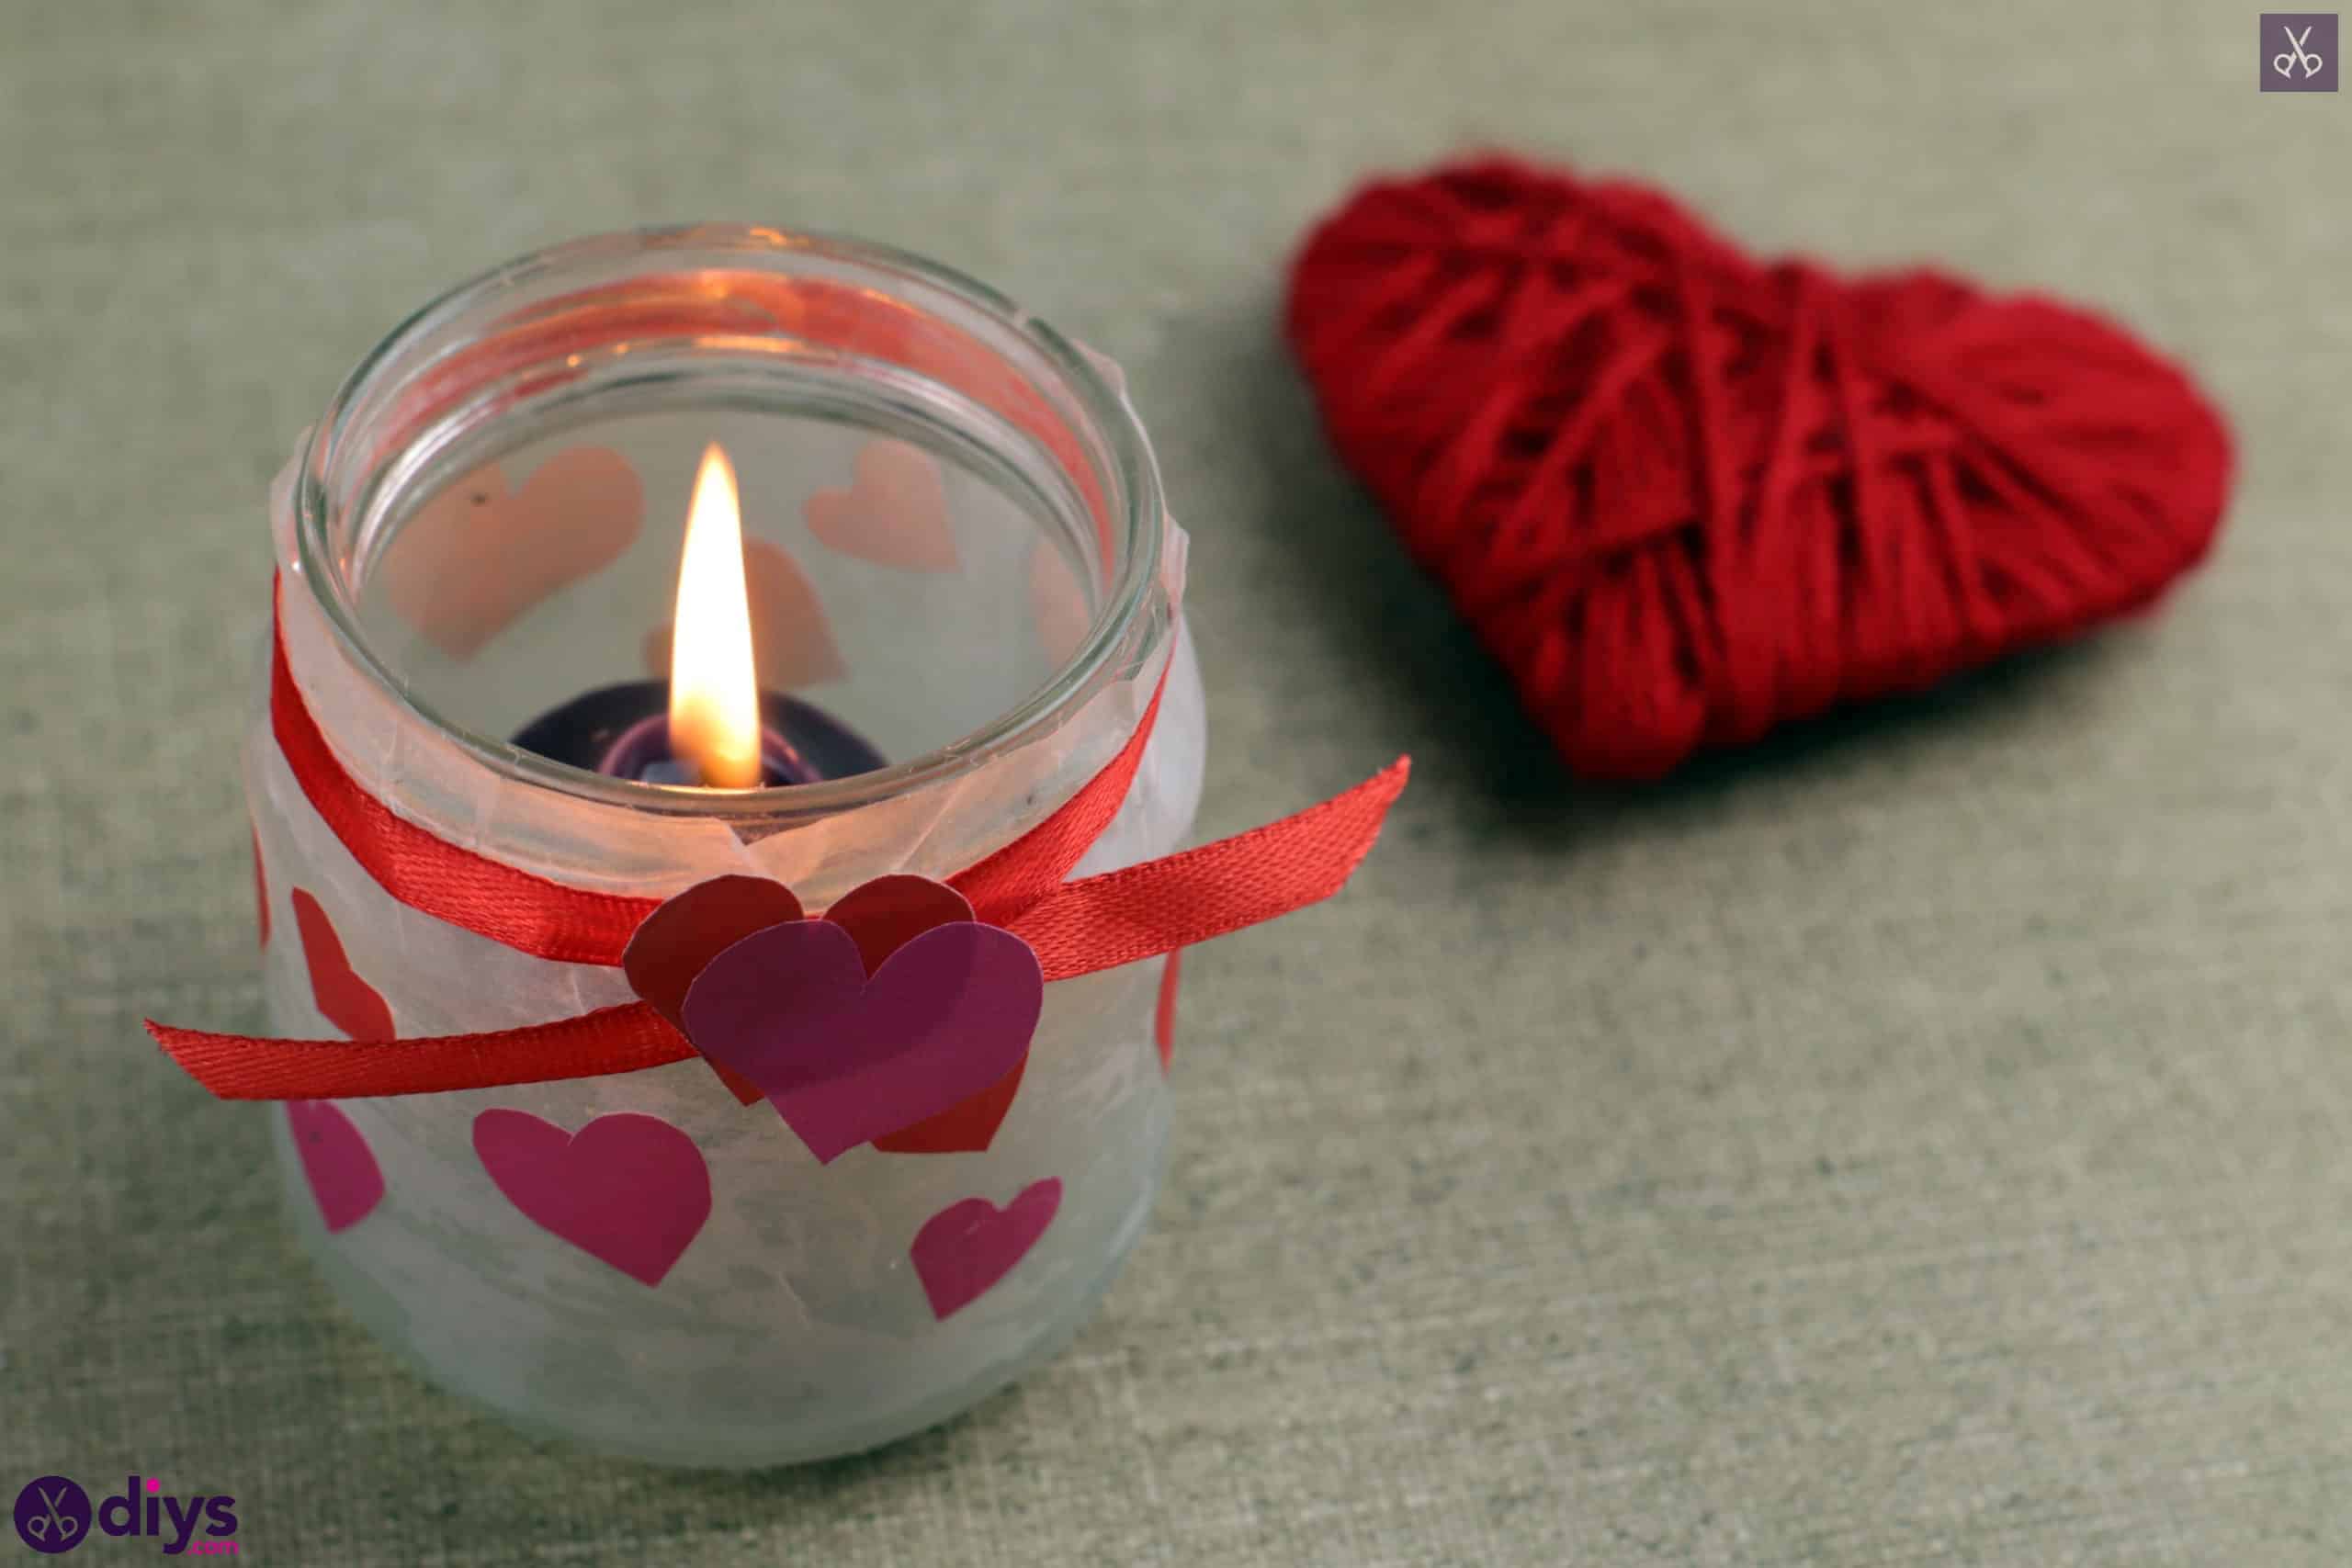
[(713, 687)]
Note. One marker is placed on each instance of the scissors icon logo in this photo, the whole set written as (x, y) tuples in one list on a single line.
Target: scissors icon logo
[(53, 1514), (2285, 64), (2308, 62), (53, 1526)]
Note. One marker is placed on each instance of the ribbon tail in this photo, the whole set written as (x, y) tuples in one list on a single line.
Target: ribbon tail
[(624, 1038), (1124, 917)]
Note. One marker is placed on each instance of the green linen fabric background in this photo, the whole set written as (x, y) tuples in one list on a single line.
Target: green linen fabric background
[(1921, 1141)]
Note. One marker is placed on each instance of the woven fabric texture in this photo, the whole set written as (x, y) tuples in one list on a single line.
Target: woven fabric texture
[(1926, 1140)]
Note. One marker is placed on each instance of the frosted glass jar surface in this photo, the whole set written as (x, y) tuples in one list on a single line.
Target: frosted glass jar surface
[(997, 665)]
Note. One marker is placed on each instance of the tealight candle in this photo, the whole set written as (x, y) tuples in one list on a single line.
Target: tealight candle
[(708, 724)]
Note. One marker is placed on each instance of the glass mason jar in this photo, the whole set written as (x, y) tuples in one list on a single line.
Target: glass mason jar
[(955, 547)]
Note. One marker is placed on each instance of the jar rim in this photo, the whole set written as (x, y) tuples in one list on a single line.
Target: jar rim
[(1132, 490)]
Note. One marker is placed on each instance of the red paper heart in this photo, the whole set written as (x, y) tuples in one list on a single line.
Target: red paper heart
[(884, 915), (348, 1002), (678, 941), (895, 512), (792, 645), (1685, 495), (478, 554), (966, 1127)]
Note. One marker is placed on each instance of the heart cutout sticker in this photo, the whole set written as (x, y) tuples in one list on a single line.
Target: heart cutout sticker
[(629, 1189), (966, 1249), (676, 942), (884, 915), (479, 554), (792, 645), (893, 512), (346, 1181), (846, 1058), (348, 1002)]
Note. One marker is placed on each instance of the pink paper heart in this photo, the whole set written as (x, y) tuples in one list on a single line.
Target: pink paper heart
[(478, 554), (629, 1189), (346, 1181), (885, 915), (845, 1059), (963, 1250), (893, 512)]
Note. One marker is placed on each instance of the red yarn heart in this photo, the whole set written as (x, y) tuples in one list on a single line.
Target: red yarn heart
[(1685, 495)]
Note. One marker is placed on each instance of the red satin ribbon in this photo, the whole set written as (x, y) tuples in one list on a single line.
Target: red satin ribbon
[(572, 925), (1076, 928), (487, 897)]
